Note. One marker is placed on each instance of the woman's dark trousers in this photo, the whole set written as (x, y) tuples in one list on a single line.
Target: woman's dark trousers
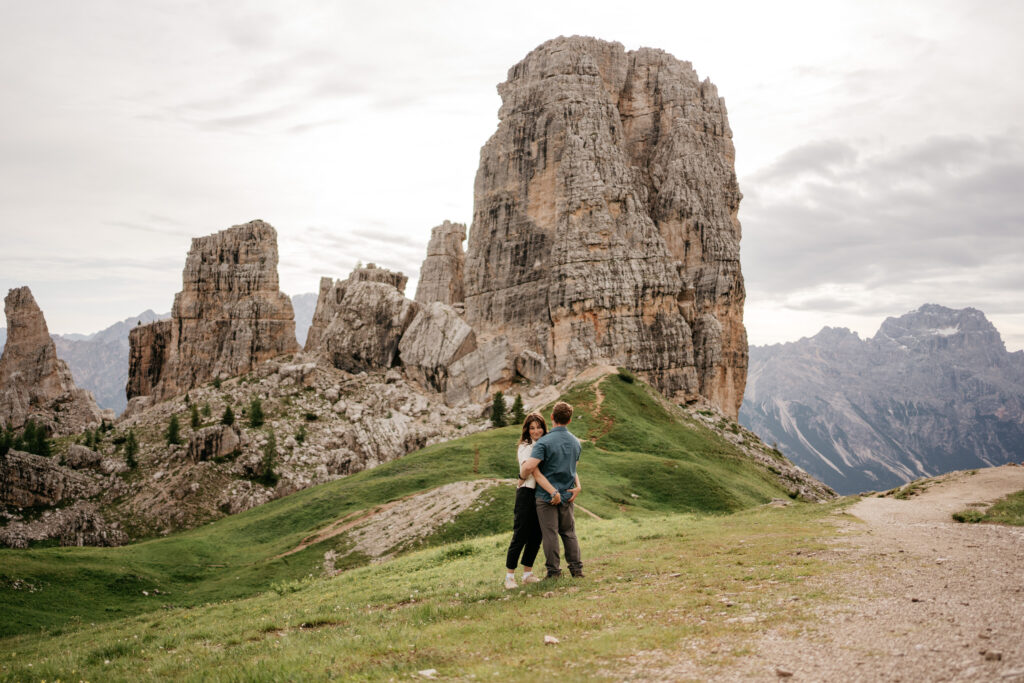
[(526, 534)]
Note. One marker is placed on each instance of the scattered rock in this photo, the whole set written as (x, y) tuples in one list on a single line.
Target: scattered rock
[(551, 640)]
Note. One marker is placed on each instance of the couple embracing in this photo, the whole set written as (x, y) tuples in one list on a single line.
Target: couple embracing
[(548, 485)]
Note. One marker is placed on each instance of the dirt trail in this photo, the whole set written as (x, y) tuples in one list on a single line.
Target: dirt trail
[(928, 598), (924, 598)]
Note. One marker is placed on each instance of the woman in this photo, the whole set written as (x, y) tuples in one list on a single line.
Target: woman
[(526, 535)]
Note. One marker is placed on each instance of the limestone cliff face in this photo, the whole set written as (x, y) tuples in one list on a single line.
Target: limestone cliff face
[(442, 272), (228, 317), (34, 383), (148, 347), (605, 220)]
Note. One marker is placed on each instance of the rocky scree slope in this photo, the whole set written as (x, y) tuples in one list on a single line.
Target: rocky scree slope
[(325, 423)]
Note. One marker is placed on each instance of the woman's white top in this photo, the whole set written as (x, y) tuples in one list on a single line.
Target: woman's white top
[(525, 449)]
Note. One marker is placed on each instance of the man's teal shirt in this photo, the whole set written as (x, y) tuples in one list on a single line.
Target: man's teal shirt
[(558, 451)]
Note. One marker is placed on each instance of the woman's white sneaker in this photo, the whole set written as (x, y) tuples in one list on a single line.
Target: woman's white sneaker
[(510, 583)]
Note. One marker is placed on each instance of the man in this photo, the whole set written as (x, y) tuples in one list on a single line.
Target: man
[(555, 455)]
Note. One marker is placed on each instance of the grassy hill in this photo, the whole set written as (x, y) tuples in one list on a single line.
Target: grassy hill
[(639, 463), (659, 589)]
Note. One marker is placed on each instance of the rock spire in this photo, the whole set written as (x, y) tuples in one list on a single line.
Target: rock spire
[(228, 317), (441, 275), (605, 220), (34, 383)]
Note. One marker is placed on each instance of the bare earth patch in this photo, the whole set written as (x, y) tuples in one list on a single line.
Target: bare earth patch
[(921, 598), (379, 531)]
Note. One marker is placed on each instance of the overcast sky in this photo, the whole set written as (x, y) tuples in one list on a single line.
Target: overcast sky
[(880, 147)]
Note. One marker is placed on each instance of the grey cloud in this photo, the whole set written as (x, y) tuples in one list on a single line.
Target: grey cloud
[(948, 206), (819, 158)]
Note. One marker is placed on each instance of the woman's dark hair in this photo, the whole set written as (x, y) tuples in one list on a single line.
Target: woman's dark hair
[(530, 419)]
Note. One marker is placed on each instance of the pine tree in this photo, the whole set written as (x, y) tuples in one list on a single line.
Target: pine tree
[(6, 439), (518, 412), (498, 411), (256, 417), (206, 409), (193, 418), (131, 449), (28, 436), (173, 432), (40, 445), (33, 439), (228, 418), (267, 475)]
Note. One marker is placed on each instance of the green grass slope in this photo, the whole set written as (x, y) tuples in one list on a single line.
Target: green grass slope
[(638, 461), (660, 591)]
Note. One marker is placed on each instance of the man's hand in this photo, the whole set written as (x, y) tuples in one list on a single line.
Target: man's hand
[(575, 491), (556, 498)]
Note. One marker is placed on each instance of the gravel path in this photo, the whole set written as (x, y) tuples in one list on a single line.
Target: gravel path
[(924, 598)]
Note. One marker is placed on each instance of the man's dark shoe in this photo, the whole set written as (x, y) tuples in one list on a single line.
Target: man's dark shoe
[(551, 577), (578, 575)]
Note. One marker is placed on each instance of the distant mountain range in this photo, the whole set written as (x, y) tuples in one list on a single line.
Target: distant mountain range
[(99, 361), (933, 391)]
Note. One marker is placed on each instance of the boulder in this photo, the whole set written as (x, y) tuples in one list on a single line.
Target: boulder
[(79, 457), (533, 366), (210, 443), (472, 378), (436, 338), (359, 322)]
